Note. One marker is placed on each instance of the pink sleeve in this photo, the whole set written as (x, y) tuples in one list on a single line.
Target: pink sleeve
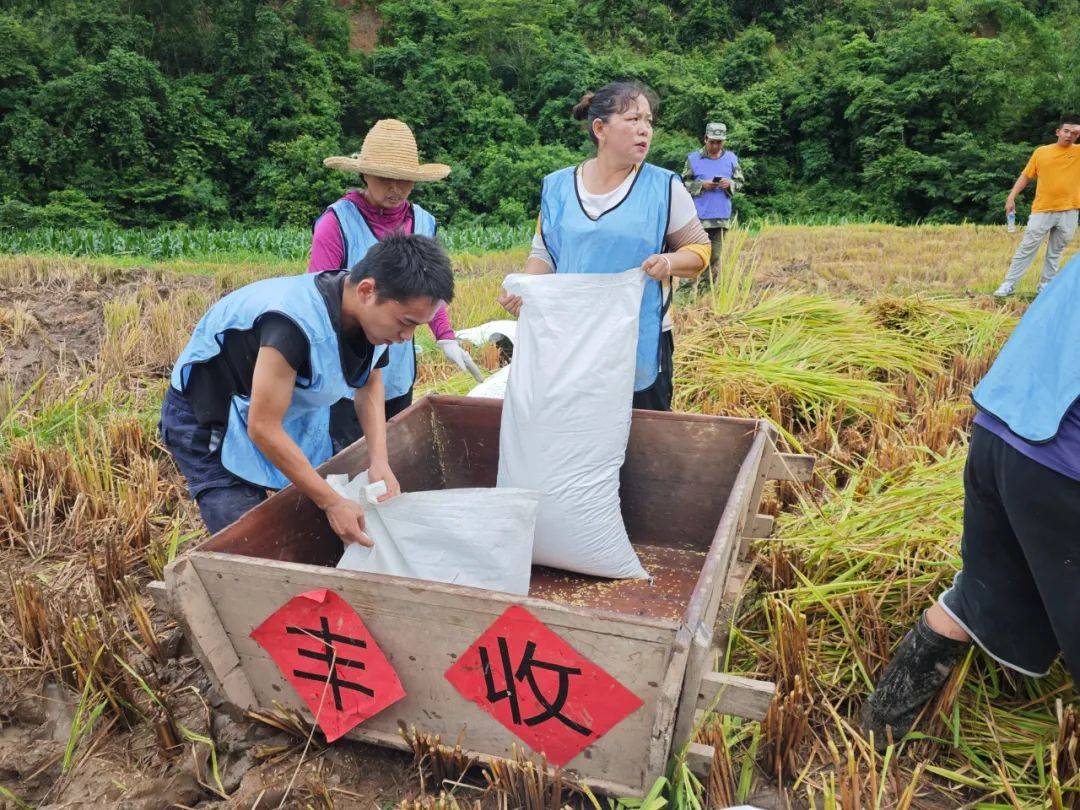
[(327, 251), (440, 325)]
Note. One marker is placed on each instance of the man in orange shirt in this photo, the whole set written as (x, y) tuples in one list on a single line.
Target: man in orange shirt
[(1054, 211)]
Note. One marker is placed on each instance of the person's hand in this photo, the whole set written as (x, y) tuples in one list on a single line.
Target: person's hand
[(709, 185), (460, 358), (725, 184), (657, 266), (380, 471), (511, 303), (347, 520), (1010, 205)]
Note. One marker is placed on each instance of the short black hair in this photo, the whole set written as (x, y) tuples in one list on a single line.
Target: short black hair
[(1068, 119), (406, 266)]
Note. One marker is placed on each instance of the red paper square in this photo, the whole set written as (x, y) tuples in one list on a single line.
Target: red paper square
[(553, 699), (316, 635)]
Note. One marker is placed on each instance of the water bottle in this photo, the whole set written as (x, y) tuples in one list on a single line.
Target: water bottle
[(1010, 218)]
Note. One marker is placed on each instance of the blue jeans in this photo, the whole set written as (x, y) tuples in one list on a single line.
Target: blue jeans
[(196, 449), (222, 506)]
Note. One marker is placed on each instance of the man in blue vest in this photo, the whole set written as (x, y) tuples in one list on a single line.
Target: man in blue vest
[(248, 407), (1017, 594), (712, 175)]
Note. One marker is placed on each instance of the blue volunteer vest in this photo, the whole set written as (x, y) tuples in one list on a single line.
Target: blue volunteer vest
[(307, 419), (620, 239), (1036, 377), (713, 204), (356, 235)]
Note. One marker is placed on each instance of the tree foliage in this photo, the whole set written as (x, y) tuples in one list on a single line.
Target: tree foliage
[(216, 111)]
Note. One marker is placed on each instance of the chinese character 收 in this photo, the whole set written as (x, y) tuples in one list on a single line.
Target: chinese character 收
[(525, 672)]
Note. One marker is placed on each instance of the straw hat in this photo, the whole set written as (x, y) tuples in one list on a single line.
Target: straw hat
[(389, 150)]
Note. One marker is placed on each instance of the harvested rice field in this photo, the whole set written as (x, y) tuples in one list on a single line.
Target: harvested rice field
[(860, 342)]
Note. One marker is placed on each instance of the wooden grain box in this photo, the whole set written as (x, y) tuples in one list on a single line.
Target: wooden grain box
[(690, 491)]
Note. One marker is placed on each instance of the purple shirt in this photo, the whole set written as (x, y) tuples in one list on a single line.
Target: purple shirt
[(328, 251), (1061, 454), (714, 204)]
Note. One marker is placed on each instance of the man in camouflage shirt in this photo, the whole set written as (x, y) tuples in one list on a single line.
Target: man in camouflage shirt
[(712, 175)]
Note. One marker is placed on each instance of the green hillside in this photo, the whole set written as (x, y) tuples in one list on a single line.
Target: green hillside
[(220, 111)]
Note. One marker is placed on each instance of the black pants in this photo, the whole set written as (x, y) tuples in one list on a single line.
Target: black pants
[(657, 397), (345, 427), (1018, 593)]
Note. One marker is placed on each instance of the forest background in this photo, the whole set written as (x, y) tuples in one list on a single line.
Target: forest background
[(219, 112)]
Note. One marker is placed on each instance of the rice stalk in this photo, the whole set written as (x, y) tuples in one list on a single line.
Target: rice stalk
[(527, 781), (785, 727), (439, 766), (444, 801)]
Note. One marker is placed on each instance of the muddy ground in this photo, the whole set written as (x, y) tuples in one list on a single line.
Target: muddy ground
[(52, 325), (51, 330)]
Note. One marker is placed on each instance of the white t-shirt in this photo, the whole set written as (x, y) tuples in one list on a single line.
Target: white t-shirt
[(682, 211)]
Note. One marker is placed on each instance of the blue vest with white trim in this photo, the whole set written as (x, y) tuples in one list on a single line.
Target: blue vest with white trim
[(307, 419), (400, 371), (621, 238), (1036, 377)]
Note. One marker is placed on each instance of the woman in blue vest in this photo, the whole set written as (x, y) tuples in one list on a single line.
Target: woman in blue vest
[(249, 401), (343, 234), (615, 212), (1017, 594)]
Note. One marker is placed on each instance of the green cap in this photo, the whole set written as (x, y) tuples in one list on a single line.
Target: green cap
[(716, 131)]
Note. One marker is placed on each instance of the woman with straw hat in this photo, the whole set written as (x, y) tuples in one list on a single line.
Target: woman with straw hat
[(615, 212), (389, 165)]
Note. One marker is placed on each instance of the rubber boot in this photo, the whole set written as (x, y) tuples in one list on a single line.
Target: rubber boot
[(918, 669)]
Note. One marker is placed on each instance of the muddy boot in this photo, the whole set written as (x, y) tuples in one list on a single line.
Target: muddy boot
[(919, 667)]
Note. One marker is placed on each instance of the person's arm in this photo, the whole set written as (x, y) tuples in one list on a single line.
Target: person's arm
[(539, 263), (693, 185), (370, 404), (1020, 184), (440, 325), (737, 181), (1030, 172), (446, 340), (327, 247), (271, 392), (678, 264), (687, 245)]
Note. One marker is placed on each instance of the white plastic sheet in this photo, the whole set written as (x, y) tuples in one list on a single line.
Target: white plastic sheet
[(566, 414), (494, 386), (485, 332), (477, 537)]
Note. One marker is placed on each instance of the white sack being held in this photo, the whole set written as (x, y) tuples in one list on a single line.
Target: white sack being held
[(566, 414), (477, 537)]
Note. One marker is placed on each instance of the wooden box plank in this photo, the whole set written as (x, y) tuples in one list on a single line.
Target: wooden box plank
[(689, 487), (697, 632), (423, 631), (724, 693), (678, 475)]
